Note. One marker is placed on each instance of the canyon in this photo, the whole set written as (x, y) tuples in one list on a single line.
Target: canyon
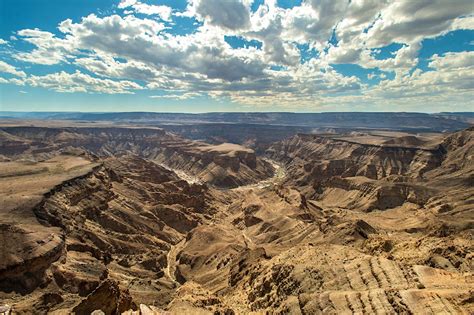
[(130, 218)]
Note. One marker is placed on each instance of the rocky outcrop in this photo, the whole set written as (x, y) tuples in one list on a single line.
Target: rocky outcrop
[(370, 194), (11, 145), (369, 176), (195, 263), (123, 213), (351, 282), (108, 298), (25, 256), (28, 247), (325, 156), (103, 232), (224, 165)]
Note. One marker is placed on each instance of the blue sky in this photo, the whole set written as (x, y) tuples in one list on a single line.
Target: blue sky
[(236, 55)]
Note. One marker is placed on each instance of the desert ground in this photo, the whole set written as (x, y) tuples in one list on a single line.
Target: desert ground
[(130, 218)]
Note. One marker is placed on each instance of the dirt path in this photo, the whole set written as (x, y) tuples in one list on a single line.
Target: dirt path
[(171, 261), (248, 241)]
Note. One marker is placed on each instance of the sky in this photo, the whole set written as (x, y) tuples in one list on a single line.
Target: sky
[(236, 55)]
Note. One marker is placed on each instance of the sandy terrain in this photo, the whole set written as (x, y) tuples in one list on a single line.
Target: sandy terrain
[(139, 221)]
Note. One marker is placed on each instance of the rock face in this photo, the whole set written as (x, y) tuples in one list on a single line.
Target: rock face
[(11, 144), (108, 298), (26, 255), (83, 222), (328, 156), (368, 176), (95, 222), (28, 247), (225, 165), (302, 281)]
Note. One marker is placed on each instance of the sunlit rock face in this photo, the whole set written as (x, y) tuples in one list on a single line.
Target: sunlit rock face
[(139, 220)]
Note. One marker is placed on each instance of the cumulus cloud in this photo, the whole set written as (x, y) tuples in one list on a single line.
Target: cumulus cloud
[(49, 49), (453, 75), (404, 60), (126, 3), (163, 11), (453, 61), (79, 82), (121, 54), (328, 15), (368, 24), (183, 96), (140, 40), (229, 14), (409, 21), (107, 66), (463, 23), (7, 68)]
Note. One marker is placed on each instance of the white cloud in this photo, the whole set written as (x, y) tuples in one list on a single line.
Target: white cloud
[(49, 50), (119, 50), (162, 11), (80, 82), (404, 60), (463, 23), (139, 40), (408, 21), (228, 14), (7, 68), (183, 96), (107, 66), (453, 75), (360, 15), (3, 42), (453, 61), (126, 3), (328, 13)]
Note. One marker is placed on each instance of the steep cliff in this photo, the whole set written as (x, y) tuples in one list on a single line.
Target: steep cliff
[(84, 222), (225, 165), (345, 226), (368, 176)]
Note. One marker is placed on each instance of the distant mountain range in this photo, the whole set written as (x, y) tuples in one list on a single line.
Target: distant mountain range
[(446, 121)]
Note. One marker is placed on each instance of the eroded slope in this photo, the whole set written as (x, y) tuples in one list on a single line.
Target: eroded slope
[(224, 165), (114, 220), (349, 227)]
